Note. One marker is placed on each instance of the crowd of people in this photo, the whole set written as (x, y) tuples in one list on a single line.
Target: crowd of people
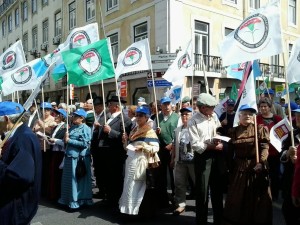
[(134, 158)]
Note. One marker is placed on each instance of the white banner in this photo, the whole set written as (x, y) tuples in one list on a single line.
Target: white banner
[(279, 132)]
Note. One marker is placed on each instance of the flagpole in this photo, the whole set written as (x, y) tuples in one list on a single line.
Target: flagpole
[(256, 140), (204, 74), (103, 99), (93, 102), (154, 92), (67, 104), (122, 117), (18, 96), (288, 100), (43, 100)]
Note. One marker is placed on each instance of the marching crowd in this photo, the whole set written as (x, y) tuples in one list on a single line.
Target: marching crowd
[(132, 157)]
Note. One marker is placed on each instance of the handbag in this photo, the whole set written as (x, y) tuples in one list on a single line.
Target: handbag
[(80, 170), (151, 171)]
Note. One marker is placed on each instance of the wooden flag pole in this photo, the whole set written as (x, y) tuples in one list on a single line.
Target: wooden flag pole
[(122, 116), (90, 91), (256, 140), (154, 92), (288, 100), (43, 118), (103, 99)]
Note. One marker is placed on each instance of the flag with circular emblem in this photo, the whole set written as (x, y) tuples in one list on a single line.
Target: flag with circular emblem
[(258, 36), (89, 64), (12, 58)]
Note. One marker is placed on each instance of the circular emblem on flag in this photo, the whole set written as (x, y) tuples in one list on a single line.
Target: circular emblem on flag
[(132, 56), (9, 60), (253, 32), (172, 96), (184, 61), (79, 39), (22, 76), (90, 62)]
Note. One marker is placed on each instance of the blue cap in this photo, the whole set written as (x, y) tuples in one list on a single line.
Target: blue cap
[(187, 109), (271, 91), (61, 111), (247, 107), (9, 108), (165, 100), (143, 109), (230, 102), (46, 105), (293, 106), (80, 112)]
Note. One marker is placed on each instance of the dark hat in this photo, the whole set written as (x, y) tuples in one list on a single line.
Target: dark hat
[(98, 101), (206, 99), (61, 111), (165, 100), (247, 107), (271, 91), (230, 102), (143, 109), (80, 112), (293, 105), (9, 108), (46, 105), (188, 109), (115, 98), (186, 99)]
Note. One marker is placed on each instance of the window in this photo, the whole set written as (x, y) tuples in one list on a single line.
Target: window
[(228, 31), (34, 6), (10, 23), (140, 31), (112, 4), (72, 15), (45, 31), (3, 28), (254, 4), (25, 10), (202, 42), (231, 1), (114, 41), (17, 15), (57, 24), (25, 42), (290, 49), (90, 9), (34, 38), (292, 11), (274, 64)]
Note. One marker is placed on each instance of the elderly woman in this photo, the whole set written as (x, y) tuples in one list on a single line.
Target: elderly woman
[(248, 200), (268, 119), (142, 148), (77, 191), (57, 149)]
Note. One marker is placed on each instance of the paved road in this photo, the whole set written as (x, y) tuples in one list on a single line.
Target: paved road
[(50, 213)]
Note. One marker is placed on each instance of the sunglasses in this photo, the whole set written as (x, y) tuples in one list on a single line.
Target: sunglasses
[(139, 115)]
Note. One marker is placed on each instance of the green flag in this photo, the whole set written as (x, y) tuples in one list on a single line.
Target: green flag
[(89, 64), (233, 92)]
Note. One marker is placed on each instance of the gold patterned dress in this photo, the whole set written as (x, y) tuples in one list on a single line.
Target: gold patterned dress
[(248, 200)]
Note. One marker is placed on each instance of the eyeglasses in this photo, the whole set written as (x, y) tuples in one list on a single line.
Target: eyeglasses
[(139, 115)]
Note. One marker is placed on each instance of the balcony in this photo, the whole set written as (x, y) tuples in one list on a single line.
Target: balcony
[(5, 5), (214, 64)]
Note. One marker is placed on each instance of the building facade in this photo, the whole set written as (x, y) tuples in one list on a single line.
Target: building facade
[(168, 24)]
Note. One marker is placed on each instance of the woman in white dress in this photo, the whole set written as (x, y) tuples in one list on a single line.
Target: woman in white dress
[(142, 149)]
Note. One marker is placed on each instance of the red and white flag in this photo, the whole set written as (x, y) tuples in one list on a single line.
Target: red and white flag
[(279, 132)]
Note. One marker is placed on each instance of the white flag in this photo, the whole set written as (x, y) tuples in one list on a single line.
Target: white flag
[(293, 72), (247, 96), (258, 36), (136, 57), (22, 78), (279, 132), (174, 94), (12, 58), (181, 67), (221, 107)]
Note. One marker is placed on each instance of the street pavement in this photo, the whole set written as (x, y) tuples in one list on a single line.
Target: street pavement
[(52, 213)]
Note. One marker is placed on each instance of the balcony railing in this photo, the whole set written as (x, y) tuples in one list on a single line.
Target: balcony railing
[(214, 64), (5, 5)]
